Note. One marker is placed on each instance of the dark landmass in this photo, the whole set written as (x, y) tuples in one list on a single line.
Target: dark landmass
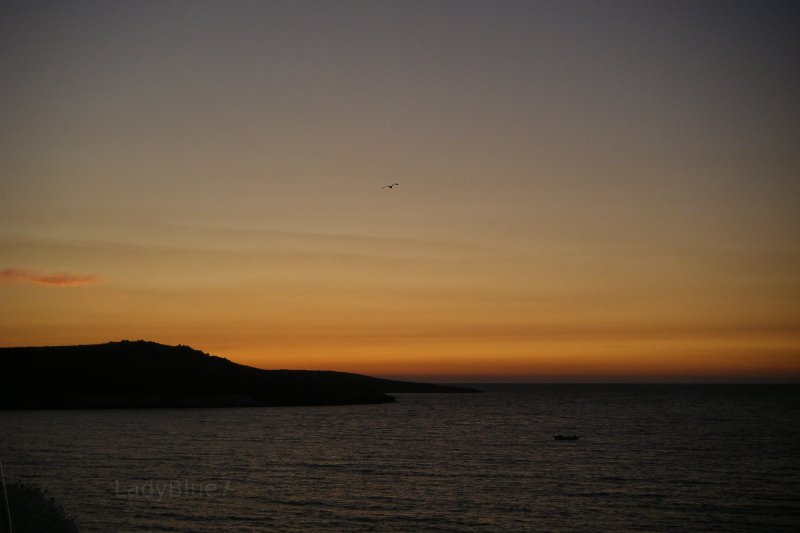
[(33, 510), (147, 374)]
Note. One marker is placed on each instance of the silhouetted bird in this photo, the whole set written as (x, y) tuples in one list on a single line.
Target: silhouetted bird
[(390, 186)]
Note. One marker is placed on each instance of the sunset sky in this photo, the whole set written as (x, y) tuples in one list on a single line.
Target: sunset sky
[(587, 190)]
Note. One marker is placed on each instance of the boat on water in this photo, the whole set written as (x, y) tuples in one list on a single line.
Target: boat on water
[(566, 437)]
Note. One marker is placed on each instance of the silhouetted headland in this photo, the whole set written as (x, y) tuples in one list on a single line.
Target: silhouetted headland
[(148, 374)]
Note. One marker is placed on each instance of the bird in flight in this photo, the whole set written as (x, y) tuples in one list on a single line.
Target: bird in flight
[(390, 186)]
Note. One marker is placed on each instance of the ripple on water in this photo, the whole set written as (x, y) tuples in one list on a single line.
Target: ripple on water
[(688, 458)]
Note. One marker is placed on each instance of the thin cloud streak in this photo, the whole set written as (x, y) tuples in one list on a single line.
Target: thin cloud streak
[(20, 275)]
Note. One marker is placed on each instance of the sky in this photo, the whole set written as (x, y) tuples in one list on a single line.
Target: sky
[(587, 190)]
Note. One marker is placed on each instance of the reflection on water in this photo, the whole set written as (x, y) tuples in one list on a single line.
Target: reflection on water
[(663, 458)]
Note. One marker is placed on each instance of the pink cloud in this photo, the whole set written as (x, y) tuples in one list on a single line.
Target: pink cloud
[(52, 280)]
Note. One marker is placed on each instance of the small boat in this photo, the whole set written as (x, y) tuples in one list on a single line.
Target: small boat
[(566, 437)]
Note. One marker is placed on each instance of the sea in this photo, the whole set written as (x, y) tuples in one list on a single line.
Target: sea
[(648, 458)]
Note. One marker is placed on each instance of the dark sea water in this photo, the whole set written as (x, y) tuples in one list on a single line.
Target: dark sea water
[(649, 458)]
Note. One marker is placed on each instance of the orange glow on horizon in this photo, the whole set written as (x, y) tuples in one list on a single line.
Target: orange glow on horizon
[(577, 199)]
